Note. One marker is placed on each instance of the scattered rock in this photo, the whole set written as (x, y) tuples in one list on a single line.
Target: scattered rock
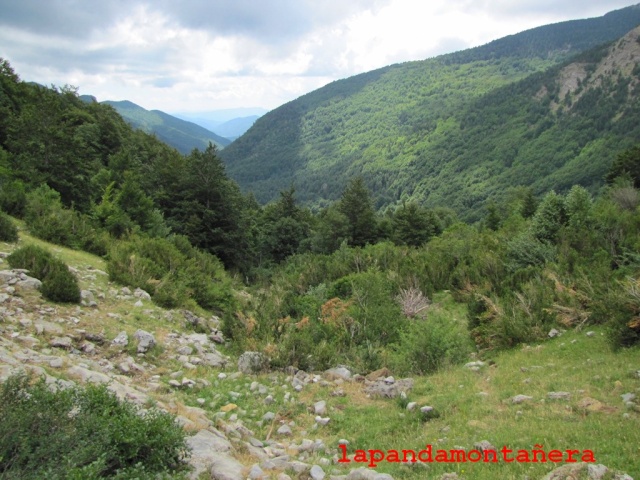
[(584, 470), (146, 341), (285, 431), (316, 473), (141, 294), (253, 362), (339, 372), (320, 408), (558, 395), (61, 342), (121, 340), (553, 333), (382, 388), (521, 399)]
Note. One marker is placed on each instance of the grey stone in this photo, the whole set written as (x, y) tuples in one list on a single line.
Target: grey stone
[(61, 342), (253, 362), (553, 333), (383, 389), (559, 395), (215, 359), (225, 467), (121, 340), (141, 294), (520, 399), (320, 407), (256, 473), (628, 397), (484, 446), (146, 341), (316, 473), (285, 430), (338, 372)]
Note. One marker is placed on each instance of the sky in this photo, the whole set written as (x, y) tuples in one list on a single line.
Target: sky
[(192, 56)]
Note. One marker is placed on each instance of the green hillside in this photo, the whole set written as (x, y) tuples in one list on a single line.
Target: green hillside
[(182, 135), (446, 131)]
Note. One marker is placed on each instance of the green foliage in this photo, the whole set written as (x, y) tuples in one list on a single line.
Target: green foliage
[(427, 345), (54, 433), (58, 283), (453, 130), (172, 271), (356, 204), (8, 230), (549, 217), (182, 135), (627, 162)]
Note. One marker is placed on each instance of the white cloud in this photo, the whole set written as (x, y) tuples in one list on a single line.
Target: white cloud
[(213, 54)]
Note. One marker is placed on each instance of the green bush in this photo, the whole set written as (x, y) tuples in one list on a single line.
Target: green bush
[(58, 283), (172, 271), (428, 345), (8, 230), (83, 433)]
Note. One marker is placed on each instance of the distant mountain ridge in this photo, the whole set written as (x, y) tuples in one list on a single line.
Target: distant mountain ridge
[(456, 130), (184, 136)]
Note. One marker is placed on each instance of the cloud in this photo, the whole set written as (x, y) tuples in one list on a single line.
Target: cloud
[(210, 54)]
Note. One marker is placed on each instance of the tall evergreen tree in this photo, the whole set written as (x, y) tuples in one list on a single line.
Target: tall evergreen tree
[(356, 204)]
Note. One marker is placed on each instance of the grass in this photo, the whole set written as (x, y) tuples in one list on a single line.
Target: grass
[(473, 406)]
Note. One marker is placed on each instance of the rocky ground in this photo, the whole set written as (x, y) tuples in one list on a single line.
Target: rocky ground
[(174, 360)]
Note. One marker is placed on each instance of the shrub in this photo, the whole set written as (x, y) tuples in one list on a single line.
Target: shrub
[(428, 345), (58, 283), (173, 272), (83, 433), (8, 230)]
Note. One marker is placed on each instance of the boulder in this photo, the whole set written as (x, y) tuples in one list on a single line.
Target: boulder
[(146, 341), (253, 362)]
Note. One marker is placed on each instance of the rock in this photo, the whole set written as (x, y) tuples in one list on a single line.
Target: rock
[(121, 340), (322, 420), (285, 430), (382, 388), (583, 470), (484, 446), (138, 304), (256, 473), (141, 294), (61, 342), (87, 299), (339, 372), (378, 374), (628, 397), (590, 334), (316, 473), (559, 395), (475, 366), (320, 408), (253, 362), (215, 359), (42, 326), (225, 467), (553, 333), (146, 341), (521, 399), (56, 363)]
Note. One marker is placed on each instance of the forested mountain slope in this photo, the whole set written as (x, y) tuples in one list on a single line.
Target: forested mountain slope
[(448, 130), (182, 135)]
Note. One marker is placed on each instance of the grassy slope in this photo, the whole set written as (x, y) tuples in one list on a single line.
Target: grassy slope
[(574, 362)]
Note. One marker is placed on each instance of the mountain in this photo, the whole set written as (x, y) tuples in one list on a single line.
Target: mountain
[(458, 129), (236, 127), (229, 123), (184, 136)]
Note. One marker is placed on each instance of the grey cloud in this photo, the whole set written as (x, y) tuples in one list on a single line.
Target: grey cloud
[(65, 18)]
